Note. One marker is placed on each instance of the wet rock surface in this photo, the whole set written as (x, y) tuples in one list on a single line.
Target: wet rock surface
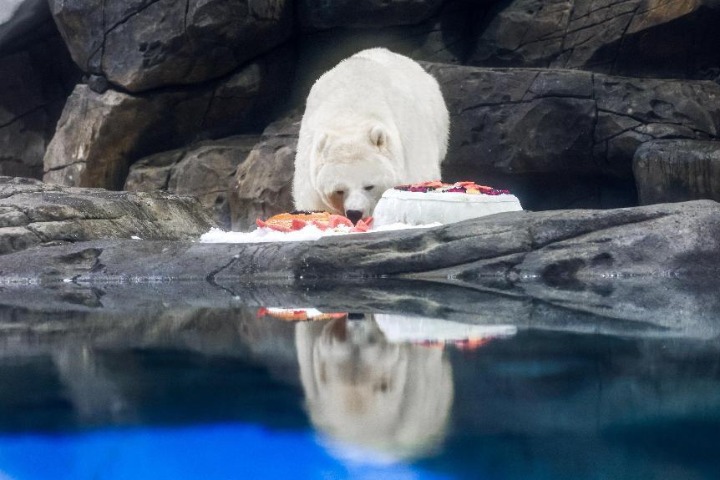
[(33, 213)]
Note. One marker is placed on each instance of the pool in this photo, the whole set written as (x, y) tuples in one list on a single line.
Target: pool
[(187, 391)]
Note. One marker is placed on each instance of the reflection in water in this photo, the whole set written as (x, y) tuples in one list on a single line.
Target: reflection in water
[(127, 393), (362, 391), (434, 331)]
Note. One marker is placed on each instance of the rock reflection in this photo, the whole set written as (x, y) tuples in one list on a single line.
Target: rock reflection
[(392, 399)]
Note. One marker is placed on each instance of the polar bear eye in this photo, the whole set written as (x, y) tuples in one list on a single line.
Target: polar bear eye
[(369, 187), (340, 192)]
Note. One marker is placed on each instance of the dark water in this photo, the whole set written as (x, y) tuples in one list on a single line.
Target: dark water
[(198, 392)]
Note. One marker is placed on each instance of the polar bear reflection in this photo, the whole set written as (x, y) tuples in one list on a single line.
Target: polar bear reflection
[(392, 400)]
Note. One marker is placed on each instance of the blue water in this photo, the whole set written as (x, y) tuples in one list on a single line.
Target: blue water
[(209, 452)]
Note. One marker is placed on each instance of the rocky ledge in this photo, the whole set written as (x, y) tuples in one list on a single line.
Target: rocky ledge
[(34, 213), (557, 246), (642, 270)]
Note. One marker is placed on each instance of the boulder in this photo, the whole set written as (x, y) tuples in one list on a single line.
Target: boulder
[(34, 213), (98, 135), (141, 45), (515, 127), (364, 13), (677, 171), (203, 170), (633, 37), (101, 134), (262, 185)]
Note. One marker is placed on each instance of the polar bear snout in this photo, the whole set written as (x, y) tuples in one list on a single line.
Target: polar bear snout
[(354, 215), (359, 202)]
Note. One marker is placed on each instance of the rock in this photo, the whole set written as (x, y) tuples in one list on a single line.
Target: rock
[(262, 186), (521, 33), (100, 135), (513, 126), (33, 213), (633, 37), (34, 83), (142, 45), (364, 13), (151, 174), (203, 170), (677, 171), (98, 132), (538, 121), (564, 247), (97, 83)]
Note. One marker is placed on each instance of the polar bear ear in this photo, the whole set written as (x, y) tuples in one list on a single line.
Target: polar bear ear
[(378, 137), (320, 142)]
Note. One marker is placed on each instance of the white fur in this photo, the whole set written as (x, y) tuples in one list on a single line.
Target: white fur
[(374, 121)]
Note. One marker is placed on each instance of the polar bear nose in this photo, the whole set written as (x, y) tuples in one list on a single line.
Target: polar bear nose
[(354, 215)]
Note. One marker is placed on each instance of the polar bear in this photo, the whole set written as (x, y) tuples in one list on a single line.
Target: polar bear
[(374, 121)]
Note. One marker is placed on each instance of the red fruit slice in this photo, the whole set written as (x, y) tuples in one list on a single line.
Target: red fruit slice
[(337, 220), (298, 224), (360, 227)]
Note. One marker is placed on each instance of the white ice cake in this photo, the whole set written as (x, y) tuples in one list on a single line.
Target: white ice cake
[(423, 207)]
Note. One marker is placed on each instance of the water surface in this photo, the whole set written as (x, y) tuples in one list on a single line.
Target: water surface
[(215, 391)]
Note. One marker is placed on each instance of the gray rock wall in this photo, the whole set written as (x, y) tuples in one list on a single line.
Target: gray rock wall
[(161, 75), (632, 37), (141, 45)]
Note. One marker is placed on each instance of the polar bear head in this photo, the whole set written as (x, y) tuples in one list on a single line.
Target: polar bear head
[(354, 167)]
